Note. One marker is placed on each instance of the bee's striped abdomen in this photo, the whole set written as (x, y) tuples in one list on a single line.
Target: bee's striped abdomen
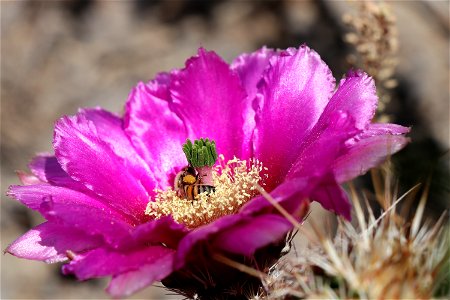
[(205, 188), (192, 190)]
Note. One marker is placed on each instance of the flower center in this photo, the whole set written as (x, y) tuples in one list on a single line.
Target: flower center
[(203, 193)]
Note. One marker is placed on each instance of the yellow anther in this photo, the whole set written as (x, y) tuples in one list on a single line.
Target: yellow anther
[(234, 183)]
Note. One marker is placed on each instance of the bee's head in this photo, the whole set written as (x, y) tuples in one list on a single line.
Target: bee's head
[(189, 175), (188, 170)]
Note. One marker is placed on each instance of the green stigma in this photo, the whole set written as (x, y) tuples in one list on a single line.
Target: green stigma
[(200, 153)]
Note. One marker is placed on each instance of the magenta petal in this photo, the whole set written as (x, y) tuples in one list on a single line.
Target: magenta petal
[(186, 248), (125, 284), (74, 209), (296, 89), (250, 68), (349, 111), (323, 145), (356, 96), (110, 130), (377, 129), (155, 130), (34, 196), (92, 221), (209, 98), (46, 167), (102, 158), (103, 262), (369, 149), (290, 195), (252, 234), (332, 197), (319, 151), (49, 242), (164, 230)]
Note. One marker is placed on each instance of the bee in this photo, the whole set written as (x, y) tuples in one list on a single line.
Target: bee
[(189, 185)]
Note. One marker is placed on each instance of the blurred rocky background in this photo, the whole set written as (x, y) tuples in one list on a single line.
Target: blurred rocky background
[(57, 56)]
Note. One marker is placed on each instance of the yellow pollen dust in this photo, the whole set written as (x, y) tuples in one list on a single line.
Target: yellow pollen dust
[(235, 183)]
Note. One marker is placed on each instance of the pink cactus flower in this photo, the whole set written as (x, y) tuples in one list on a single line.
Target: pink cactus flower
[(275, 118)]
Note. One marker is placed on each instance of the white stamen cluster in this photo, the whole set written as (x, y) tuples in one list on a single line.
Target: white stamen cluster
[(235, 183)]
